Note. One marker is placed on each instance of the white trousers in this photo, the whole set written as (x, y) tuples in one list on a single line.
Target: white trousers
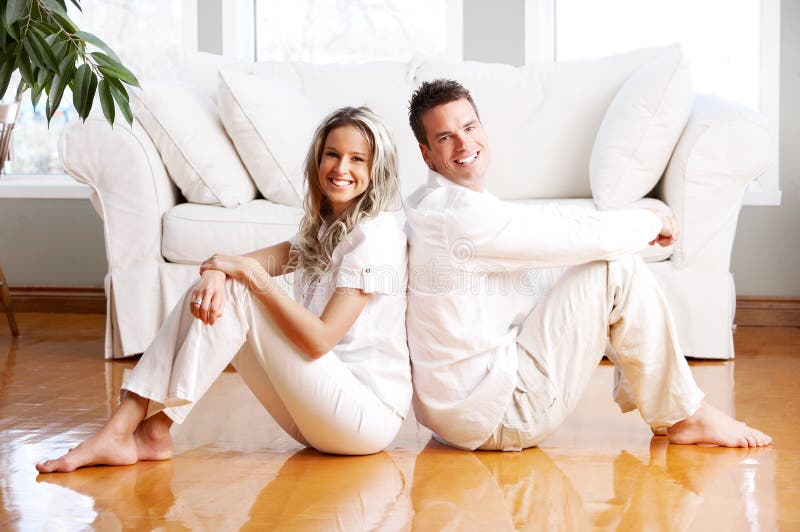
[(564, 338), (316, 401)]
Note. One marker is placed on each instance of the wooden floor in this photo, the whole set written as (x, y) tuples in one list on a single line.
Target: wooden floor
[(234, 468)]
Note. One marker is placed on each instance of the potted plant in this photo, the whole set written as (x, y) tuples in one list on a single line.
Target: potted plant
[(38, 39)]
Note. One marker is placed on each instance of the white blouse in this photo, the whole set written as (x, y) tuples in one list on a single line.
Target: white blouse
[(372, 257), (477, 267)]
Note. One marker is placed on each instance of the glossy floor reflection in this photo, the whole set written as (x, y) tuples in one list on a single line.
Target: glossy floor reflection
[(235, 469)]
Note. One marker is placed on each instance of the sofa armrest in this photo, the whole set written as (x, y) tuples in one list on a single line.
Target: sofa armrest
[(723, 147), (130, 186)]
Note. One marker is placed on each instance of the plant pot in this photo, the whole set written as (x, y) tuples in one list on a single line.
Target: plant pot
[(8, 117)]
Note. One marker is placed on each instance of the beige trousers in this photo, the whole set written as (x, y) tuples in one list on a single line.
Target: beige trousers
[(318, 402), (564, 338)]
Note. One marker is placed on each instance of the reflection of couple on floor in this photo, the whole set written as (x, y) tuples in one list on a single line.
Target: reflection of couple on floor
[(449, 490)]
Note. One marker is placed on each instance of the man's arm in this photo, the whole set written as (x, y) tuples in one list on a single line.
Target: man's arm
[(495, 234)]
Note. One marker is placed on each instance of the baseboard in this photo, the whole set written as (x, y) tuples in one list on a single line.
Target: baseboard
[(768, 311), (750, 311), (58, 299)]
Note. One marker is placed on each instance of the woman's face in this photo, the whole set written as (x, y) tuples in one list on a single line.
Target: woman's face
[(344, 167)]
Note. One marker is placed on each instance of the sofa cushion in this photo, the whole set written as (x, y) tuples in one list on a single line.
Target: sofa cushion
[(185, 128), (288, 90), (541, 118), (640, 129), (650, 253), (192, 233), (271, 125)]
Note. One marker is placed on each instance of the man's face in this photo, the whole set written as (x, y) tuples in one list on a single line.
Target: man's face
[(458, 148)]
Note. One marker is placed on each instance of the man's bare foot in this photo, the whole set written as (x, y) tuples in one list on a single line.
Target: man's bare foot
[(104, 448), (153, 440), (712, 426)]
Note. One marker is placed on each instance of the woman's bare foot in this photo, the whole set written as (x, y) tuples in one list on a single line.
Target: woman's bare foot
[(153, 440), (150, 441), (712, 426), (104, 448)]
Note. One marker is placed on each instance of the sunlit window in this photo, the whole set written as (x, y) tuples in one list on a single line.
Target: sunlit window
[(141, 33), (331, 31), (720, 38)]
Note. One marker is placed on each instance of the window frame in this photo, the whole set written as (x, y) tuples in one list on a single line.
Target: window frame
[(540, 45)]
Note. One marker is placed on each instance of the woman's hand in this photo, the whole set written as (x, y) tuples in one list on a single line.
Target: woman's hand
[(239, 267), (208, 297)]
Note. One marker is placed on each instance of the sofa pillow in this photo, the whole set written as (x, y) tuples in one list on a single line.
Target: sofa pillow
[(185, 128), (639, 130), (271, 124)]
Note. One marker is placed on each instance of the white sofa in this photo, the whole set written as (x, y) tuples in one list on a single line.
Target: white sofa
[(542, 121)]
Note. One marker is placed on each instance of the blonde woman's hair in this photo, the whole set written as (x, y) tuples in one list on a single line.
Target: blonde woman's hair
[(314, 248)]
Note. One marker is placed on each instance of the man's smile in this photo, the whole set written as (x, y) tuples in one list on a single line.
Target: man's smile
[(466, 161)]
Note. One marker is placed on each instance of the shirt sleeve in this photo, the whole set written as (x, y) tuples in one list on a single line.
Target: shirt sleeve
[(489, 233), (374, 257)]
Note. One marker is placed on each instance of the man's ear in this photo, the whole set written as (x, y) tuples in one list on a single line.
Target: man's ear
[(426, 156)]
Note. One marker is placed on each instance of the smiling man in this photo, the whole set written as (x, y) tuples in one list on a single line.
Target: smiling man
[(510, 306)]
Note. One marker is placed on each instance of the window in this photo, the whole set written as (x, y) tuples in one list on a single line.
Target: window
[(331, 31), (732, 48), (143, 33)]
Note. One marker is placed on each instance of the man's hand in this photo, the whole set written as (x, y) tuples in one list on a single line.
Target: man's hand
[(669, 230)]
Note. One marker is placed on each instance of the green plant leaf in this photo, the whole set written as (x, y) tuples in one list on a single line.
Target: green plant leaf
[(80, 92), (16, 9), (54, 96), (54, 5), (106, 101), (115, 66), (33, 53), (59, 49), (97, 41), (24, 66), (121, 97), (45, 52), (3, 34), (67, 64), (36, 89), (6, 69), (12, 30), (76, 4), (122, 75), (63, 20), (117, 84)]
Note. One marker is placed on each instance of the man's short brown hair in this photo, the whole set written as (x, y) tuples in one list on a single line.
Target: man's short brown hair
[(433, 94)]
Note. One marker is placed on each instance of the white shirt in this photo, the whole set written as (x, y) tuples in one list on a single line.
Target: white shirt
[(476, 270), (372, 257)]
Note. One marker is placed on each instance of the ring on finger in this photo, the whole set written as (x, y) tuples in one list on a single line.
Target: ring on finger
[(197, 302)]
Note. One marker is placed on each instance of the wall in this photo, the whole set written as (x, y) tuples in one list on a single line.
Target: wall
[(60, 242), (766, 258)]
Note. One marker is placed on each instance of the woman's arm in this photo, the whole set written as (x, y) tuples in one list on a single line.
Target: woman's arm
[(273, 258), (314, 335)]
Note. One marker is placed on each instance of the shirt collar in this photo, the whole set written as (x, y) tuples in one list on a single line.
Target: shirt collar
[(436, 180)]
